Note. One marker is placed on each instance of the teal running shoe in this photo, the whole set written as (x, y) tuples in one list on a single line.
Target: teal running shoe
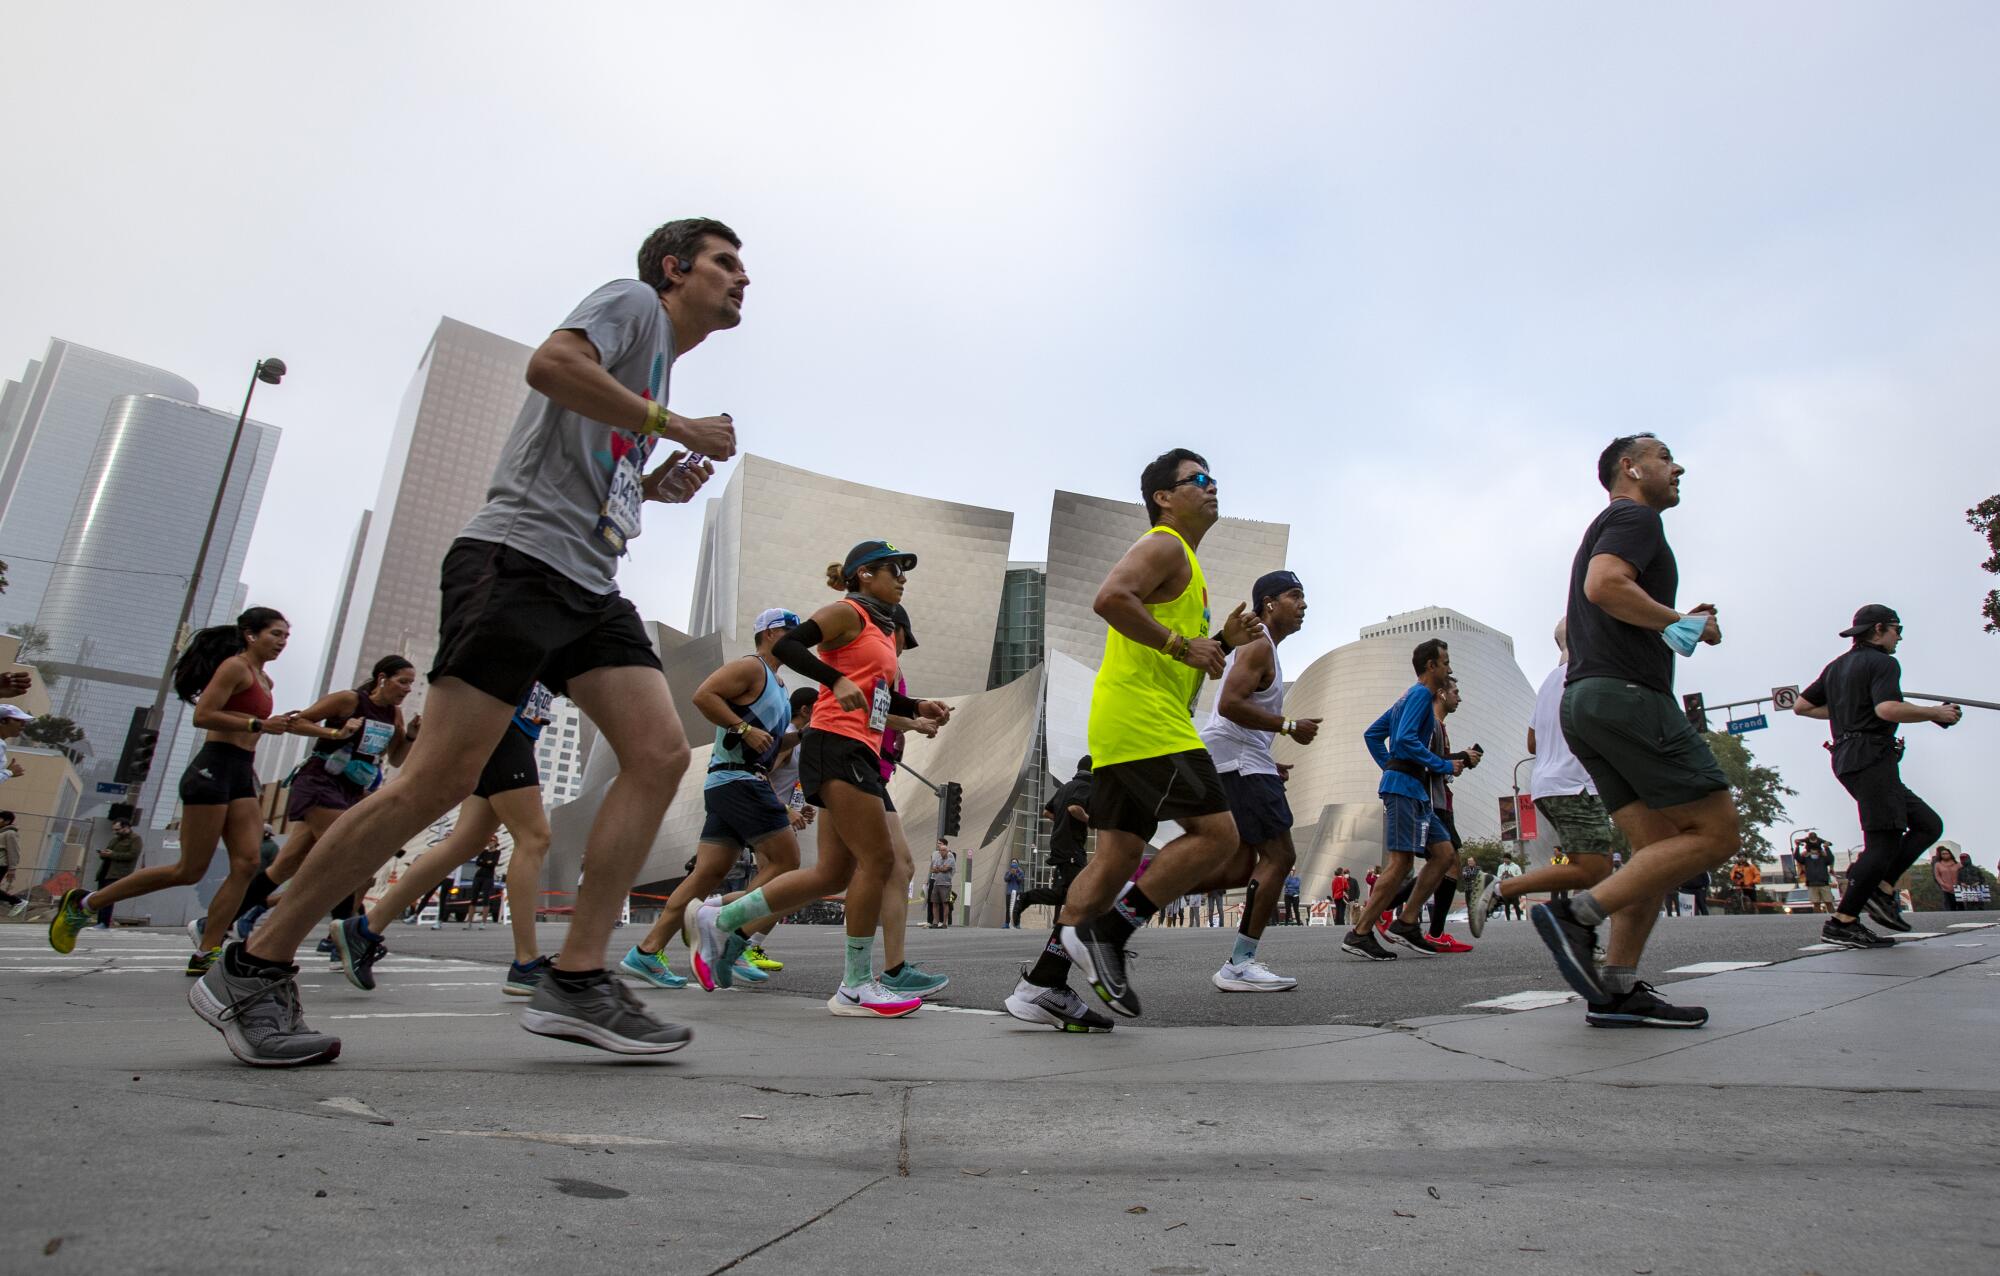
[(744, 973), (913, 982), (652, 968)]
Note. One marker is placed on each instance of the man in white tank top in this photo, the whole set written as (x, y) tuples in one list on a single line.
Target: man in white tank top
[(1248, 716)]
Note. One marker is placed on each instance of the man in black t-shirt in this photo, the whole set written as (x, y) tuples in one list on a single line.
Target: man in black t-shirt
[(1068, 810), (1861, 696), (1654, 772), (1815, 861)]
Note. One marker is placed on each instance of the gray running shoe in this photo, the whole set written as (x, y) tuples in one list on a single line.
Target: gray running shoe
[(605, 1015), (1480, 906), (1059, 1008), (259, 1017)]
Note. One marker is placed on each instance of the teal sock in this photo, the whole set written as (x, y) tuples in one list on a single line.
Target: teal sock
[(1246, 948), (751, 908), (860, 960)]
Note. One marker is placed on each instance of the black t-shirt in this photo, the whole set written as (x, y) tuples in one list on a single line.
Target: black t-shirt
[(1850, 688), (1066, 840), (1817, 865), (1600, 645)]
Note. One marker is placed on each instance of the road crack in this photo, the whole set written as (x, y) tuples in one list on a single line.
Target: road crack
[(794, 1231)]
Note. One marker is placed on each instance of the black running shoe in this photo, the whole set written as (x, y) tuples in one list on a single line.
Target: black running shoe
[(1574, 946), (1852, 935), (1411, 936), (1643, 1008), (355, 953), (1887, 910), (1102, 962), (1364, 944)]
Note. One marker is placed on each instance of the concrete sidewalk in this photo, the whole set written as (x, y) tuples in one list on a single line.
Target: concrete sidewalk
[(1838, 1115)]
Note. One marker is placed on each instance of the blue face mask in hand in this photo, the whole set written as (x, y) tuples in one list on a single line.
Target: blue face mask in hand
[(1684, 635)]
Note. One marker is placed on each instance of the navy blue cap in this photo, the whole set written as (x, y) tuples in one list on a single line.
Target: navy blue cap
[(1270, 585), (875, 552)]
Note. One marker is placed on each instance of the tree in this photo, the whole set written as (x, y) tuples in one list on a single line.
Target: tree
[(1485, 853), (3, 578), (34, 642), (54, 731), (1985, 519), (1759, 791)]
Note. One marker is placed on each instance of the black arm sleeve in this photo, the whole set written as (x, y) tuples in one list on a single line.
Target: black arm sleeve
[(903, 706), (795, 650)]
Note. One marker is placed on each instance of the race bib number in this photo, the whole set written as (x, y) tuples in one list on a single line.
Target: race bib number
[(375, 737), (618, 521), (539, 701), (878, 713)]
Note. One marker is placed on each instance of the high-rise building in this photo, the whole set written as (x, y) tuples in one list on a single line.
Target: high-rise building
[(49, 423), (454, 418), (110, 605), (559, 753)]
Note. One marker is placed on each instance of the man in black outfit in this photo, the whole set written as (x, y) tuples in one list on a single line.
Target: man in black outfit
[(1068, 809), (1861, 695)]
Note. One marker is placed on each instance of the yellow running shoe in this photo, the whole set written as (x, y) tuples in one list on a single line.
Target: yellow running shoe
[(755, 955), (199, 962), (69, 921)]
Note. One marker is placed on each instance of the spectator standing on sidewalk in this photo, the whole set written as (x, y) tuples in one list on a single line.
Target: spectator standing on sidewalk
[(1697, 886), (1974, 886), (1338, 892), (1017, 884), (10, 859), (1509, 867), (1944, 871), (1292, 888), (1745, 876), (944, 866), (1815, 860), (119, 857)]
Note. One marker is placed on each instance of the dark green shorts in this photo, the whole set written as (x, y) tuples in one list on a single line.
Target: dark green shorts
[(1637, 745)]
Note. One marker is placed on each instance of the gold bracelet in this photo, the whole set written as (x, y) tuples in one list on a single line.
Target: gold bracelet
[(656, 419)]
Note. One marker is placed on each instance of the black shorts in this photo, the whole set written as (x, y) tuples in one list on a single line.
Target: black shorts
[(1450, 827), (1259, 805), (827, 755), (1134, 797), (512, 766), (219, 774), (742, 813), (507, 621)]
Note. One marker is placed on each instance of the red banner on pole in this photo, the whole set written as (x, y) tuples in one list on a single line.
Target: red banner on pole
[(1529, 830)]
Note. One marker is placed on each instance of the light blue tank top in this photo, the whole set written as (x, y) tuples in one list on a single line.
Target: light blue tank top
[(772, 711)]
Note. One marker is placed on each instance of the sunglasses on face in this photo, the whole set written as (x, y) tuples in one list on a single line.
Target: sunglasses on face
[(1206, 482), (893, 568)]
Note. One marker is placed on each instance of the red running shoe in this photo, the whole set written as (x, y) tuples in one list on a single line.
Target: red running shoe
[(1449, 943)]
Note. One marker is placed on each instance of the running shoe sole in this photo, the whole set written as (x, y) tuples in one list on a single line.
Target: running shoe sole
[(691, 935), (1244, 985), (637, 972), (1579, 975), (547, 1023), (1859, 945), (1420, 950), (888, 1010), (1597, 1019), (61, 938), (1886, 915), (1356, 950), (1029, 1012), (203, 1003)]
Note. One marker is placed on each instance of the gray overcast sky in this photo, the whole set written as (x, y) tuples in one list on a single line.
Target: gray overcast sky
[(1398, 270)]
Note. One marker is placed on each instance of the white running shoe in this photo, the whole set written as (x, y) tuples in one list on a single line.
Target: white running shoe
[(872, 1001), (1482, 907), (1252, 976)]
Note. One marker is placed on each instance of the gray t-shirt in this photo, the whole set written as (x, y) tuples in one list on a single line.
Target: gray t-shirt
[(557, 470), (943, 864)]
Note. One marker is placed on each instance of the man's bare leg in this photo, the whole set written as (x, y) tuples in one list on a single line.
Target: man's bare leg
[(521, 811), (477, 822)]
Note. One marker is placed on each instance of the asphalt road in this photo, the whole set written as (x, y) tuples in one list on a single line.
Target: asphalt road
[(1173, 966)]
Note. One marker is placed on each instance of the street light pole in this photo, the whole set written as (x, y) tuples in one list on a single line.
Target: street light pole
[(270, 372)]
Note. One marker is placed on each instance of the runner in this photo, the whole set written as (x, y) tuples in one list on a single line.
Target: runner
[(1652, 770), (355, 732), (785, 783), (753, 718), (1860, 695), (1399, 741), (1444, 706), (1249, 715), (1068, 813), (1567, 799), (840, 769), (530, 594), (222, 675), (509, 793), (1150, 761)]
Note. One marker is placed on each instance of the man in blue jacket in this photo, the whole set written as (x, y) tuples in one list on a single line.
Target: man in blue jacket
[(1399, 741)]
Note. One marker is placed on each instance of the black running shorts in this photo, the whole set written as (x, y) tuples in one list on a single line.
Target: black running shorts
[(219, 774), (507, 620), (742, 813), (1259, 805), (1134, 797), (512, 766), (828, 755)]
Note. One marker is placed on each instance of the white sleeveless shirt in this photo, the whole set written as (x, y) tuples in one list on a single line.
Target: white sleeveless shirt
[(1238, 748)]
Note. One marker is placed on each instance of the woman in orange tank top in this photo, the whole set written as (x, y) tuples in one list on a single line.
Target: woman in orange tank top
[(839, 770), (222, 675)]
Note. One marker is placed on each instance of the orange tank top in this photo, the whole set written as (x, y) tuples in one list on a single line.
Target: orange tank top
[(869, 662)]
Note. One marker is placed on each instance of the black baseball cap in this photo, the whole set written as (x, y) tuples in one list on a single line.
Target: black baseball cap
[(1270, 585), (902, 615), (1870, 616), (875, 552)]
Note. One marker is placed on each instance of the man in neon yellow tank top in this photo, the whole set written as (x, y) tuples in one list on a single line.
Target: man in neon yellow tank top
[(1150, 764)]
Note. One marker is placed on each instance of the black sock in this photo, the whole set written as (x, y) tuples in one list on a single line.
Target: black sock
[(1249, 902), (255, 893), (1127, 914), (238, 960), (1441, 905), (574, 980), (343, 910), (896, 969), (1051, 969)]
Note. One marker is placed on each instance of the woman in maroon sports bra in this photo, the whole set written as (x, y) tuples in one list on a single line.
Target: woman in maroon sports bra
[(222, 675)]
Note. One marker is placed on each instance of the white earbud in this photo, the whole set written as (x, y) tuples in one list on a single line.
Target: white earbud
[(1631, 473)]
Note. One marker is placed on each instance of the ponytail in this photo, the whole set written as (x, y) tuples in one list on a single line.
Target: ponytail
[(835, 581), (210, 647), (386, 667)]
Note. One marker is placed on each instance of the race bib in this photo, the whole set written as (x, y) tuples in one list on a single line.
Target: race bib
[(538, 703), (878, 714), (375, 737), (618, 521)]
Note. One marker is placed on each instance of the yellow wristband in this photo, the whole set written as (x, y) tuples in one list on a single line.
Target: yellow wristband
[(656, 419)]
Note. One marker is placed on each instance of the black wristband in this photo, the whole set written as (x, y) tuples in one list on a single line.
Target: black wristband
[(902, 706), (1224, 644)]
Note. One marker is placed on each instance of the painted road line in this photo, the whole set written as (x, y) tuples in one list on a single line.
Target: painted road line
[(424, 1014), (1523, 1001), (965, 1010), (1914, 934), (1716, 967), (1822, 948), (1971, 925)]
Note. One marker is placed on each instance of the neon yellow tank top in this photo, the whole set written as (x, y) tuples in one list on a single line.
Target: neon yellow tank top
[(1142, 704)]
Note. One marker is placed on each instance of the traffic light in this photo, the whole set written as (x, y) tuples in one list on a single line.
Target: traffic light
[(137, 759), (950, 799), (1697, 712)]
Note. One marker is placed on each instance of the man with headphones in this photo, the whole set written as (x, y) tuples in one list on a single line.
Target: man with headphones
[(1652, 769)]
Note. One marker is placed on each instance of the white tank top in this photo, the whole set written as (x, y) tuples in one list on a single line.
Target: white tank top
[(1238, 748)]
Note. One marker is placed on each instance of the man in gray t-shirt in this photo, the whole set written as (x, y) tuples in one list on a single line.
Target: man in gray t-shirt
[(528, 595)]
